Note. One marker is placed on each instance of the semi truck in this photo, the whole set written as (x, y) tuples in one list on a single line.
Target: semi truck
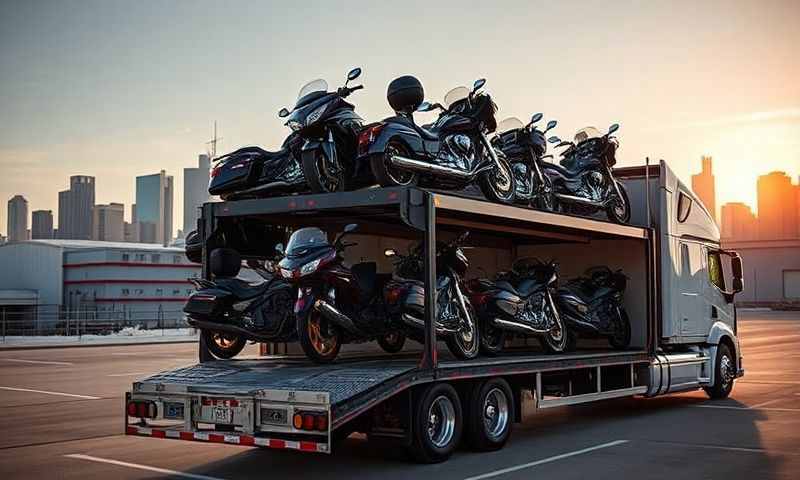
[(679, 300)]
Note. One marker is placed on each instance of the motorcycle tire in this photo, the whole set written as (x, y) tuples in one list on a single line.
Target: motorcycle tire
[(498, 188), (621, 339), (459, 345), (223, 345), (555, 341), (385, 174), (546, 200), (320, 342), (312, 163), (493, 339), (619, 211), (392, 342)]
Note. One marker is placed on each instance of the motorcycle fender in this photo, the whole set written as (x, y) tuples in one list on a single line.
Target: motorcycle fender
[(304, 303), (396, 130), (328, 147)]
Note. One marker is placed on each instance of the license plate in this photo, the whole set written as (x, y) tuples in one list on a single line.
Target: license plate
[(173, 410), (274, 416), (222, 414)]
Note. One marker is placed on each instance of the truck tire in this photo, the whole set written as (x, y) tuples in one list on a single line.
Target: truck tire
[(724, 374), (437, 423), (490, 415), (224, 345)]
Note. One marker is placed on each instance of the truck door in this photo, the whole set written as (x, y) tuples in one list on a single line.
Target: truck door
[(717, 306), (692, 315)]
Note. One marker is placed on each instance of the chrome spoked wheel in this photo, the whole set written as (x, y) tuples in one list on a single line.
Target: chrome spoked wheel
[(495, 413), (441, 421)]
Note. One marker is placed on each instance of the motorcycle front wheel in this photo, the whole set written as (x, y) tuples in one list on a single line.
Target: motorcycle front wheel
[(388, 175), (545, 199), (465, 343), (321, 176), (493, 339), (498, 184), (621, 338), (224, 345), (392, 342), (319, 340), (619, 209), (555, 340)]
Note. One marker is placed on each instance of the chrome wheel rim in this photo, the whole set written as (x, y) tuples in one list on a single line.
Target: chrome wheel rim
[(328, 180), (397, 175), (223, 341), (322, 343), (441, 421), (501, 179), (495, 413), (725, 371)]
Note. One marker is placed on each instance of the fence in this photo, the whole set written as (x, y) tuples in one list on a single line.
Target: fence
[(46, 320)]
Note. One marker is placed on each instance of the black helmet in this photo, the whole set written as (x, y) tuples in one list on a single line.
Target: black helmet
[(405, 93)]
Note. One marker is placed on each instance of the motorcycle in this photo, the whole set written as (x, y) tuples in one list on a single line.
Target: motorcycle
[(524, 147), (336, 304), (252, 172), (520, 302), (451, 153), (456, 320), (583, 181), (592, 306), (230, 311), (328, 126)]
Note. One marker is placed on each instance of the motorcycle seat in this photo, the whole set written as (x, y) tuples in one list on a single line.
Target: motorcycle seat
[(524, 289), (585, 292), (242, 289), (425, 131)]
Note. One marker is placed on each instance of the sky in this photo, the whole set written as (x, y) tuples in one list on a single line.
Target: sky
[(116, 89)]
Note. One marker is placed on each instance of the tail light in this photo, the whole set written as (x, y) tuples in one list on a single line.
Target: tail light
[(142, 409), (215, 171), (393, 295), (310, 421), (367, 136)]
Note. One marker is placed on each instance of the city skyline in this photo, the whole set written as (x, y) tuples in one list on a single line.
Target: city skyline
[(137, 92)]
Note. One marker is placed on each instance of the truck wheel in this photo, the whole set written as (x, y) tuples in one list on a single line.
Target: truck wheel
[(388, 175), (490, 415), (437, 424), (392, 342), (320, 340), (224, 345), (724, 373)]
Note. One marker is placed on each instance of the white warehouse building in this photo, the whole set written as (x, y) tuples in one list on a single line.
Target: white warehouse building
[(111, 280)]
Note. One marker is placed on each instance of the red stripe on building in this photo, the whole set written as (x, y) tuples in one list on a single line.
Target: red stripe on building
[(131, 264), (187, 435), (119, 281), (247, 440), (215, 437)]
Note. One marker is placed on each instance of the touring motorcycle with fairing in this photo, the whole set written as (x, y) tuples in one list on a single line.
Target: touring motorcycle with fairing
[(452, 153), (583, 182)]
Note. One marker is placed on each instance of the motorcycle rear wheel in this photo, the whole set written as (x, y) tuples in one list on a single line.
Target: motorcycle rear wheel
[(385, 174), (465, 344), (313, 163), (493, 339), (224, 345), (320, 342), (392, 342), (498, 186)]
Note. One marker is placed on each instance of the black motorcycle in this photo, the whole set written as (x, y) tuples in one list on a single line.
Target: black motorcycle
[(456, 320), (583, 181), (230, 311), (451, 153), (524, 146), (252, 172), (592, 306), (329, 127), (519, 302), (336, 303)]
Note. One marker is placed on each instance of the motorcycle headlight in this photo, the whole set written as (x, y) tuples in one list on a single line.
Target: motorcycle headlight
[(315, 115), (285, 273), (294, 125), (309, 267)]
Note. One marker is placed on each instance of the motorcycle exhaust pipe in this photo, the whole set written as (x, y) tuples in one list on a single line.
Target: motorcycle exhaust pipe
[(517, 327), (228, 328), (331, 313), (415, 322), (581, 200), (432, 168)]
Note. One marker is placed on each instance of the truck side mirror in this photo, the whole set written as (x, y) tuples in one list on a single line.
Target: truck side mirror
[(736, 270)]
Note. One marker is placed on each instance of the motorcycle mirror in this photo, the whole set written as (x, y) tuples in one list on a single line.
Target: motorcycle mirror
[(283, 113), (564, 144), (613, 128), (536, 117), (551, 125), (389, 252), (425, 107), (554, 139), (350, 227), (279, 248), (478, 84), (353, 74)]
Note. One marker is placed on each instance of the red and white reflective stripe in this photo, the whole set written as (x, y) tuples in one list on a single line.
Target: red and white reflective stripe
[(228, 402), (235, 439)]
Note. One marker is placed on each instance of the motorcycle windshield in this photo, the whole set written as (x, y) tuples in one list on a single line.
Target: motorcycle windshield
[(511, 123), (318, 85), (586, 133), (454, 95), (306, 239)]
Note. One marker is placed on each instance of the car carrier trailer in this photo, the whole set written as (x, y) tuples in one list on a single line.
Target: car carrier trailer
[(682, 316)]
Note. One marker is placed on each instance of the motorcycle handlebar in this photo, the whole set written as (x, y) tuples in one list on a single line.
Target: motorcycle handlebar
[(345, 91)]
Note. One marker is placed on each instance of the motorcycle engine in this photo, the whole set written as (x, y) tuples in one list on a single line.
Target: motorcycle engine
[(457, 152), (534, 312), (593, 186)]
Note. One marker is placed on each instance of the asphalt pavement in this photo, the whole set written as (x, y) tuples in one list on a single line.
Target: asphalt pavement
[(62, 418)]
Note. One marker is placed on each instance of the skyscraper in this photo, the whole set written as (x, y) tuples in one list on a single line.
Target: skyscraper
[(17, 219), (195, 191), (703, 186), (778, 216), (738, 222), (75, 208), (42, 224), (154, 207), (108, 222)]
